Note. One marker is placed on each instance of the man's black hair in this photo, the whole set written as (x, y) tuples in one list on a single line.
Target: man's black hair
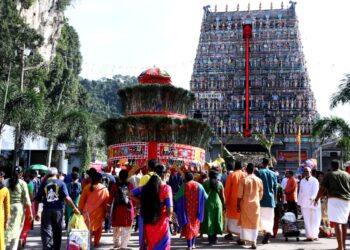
[(291, 172), (75, 169), (238, 165), (160, 170), (188, 176), (229, 166), (152, 164), (314, 171), (265, 162), (335, 164), (250, 168), (75, 176)]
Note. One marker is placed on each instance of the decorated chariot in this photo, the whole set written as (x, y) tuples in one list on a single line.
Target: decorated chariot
[(155, 126)]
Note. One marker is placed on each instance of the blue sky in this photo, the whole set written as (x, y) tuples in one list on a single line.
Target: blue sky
[(128, 36)]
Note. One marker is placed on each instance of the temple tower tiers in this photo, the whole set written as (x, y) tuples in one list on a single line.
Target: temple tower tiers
[(279, 84)]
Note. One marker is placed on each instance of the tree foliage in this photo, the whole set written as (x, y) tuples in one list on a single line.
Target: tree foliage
[(63, 4), (330, 128), (15, 34), (342, 96), (102, 98), (19, 106), (64, 116), (27, 3), (267, 142), (333, 128), (66, 119), (62, 85)]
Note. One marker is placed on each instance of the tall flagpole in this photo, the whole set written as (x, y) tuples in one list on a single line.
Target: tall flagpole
[(299, 146), (247, 34), (298, 140)]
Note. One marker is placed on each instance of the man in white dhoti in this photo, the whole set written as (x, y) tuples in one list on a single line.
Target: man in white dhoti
[(308, 190), (336, 184), (250, 193), (267, 204), (231, 191)]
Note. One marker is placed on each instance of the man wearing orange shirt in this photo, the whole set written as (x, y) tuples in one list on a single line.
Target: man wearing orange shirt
[(250, 193), (291, 191), (231, 191)]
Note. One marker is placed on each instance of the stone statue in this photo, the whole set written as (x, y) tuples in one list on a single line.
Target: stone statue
[(292, 4), (206, 9)]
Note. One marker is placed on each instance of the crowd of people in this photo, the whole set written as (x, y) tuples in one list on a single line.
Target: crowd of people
[(242, 201)]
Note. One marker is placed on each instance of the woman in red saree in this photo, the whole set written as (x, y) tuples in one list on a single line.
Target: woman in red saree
[(190, 202), (123, 210), (27, 226), (94, 200), (156, 207)]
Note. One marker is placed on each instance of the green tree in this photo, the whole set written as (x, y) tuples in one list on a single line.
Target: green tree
[(61, 86), (333, 128), (267, 142), (66, 119), (342, 96), (103, 99), (15, 37), (18, 72), (17, 107)]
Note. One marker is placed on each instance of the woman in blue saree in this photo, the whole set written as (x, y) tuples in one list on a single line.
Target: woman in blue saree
[(190, 202), (156, 207)]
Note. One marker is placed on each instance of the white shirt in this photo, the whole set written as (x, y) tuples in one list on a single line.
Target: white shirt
[(135, 180), (284, 182), (308, 190)]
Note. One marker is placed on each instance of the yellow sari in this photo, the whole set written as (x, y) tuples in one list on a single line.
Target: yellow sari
[(4, 214)]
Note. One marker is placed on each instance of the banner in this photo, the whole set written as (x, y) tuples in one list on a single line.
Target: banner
[(132, 150), (97, 166), (209, 95), (138, 153), (180, 152), (291, 155)]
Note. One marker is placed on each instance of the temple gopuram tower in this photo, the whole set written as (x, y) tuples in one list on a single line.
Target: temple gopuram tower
[(250, 74)]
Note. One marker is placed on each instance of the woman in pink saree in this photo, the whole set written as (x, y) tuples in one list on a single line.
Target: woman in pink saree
[(156, 207), (94, 200)]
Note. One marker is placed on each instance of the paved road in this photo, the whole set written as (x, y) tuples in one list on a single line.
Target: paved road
[(176, 243)]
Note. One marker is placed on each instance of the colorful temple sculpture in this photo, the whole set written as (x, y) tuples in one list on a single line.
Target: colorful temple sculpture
[(250, 76), (155, 126)]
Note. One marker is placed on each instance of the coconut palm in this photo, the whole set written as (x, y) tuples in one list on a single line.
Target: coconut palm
[(333, 128), (342, 96), (267, 143), (20, 107)]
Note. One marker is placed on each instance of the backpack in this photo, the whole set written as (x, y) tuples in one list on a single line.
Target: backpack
[(74, 190), (36, 185), (122, 197), (105, 181)]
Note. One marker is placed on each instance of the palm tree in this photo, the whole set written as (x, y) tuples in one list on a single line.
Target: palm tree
[(66, 126), (333, 128), (342, 96), (20, 107), (267, 142)]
